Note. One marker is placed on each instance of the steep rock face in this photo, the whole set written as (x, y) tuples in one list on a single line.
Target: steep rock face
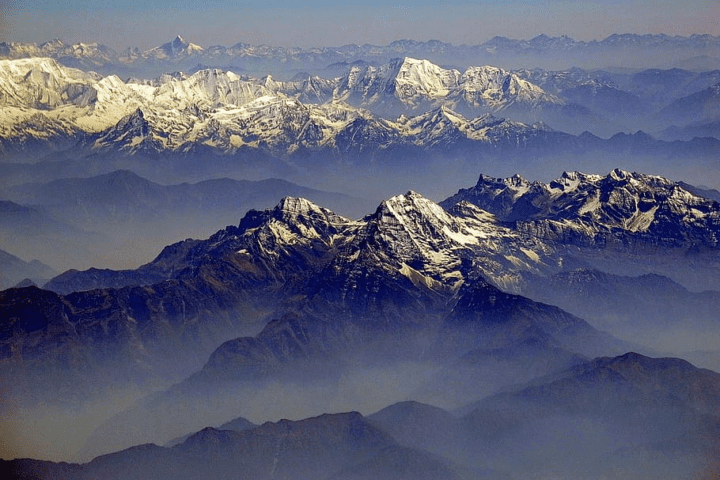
[(69, 348), (413, 106), (500, 320), (410, 85), (44, 84), (428, 245), (201, 293), (414, 323), (328, 284), (619, 208), (223, 111)]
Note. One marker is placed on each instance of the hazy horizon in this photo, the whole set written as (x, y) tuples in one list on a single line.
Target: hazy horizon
[(322, 23)]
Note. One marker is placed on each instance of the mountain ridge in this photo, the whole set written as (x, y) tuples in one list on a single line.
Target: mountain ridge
[(93, 54)]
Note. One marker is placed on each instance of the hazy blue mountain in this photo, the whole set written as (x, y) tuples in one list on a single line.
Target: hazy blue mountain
[(703, 129), (339, 446), (30, 232), (700, 107), (239, 424), (629, 415), (629, 50), (650, 309), (137, 217), (662, 87), (14, 270)]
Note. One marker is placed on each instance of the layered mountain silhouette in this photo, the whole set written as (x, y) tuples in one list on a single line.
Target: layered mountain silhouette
[(133, 216), (330, 446), (626, 415), (305, 300), (410, 268), (401, 285), (631, 50)]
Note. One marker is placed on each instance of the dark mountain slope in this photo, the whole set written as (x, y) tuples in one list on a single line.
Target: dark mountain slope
[(629, 415), (339, 446)]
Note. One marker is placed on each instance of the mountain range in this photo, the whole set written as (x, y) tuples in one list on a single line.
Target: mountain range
[(14, 270), (627, 50), (310, 291), (658, 418), (121, 220), (381, 122), (223, 312)]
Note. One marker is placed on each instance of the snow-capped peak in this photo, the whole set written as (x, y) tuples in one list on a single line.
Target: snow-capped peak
[(422, 78), (295, 207), (296, 220), (594, 209), (177, 48)]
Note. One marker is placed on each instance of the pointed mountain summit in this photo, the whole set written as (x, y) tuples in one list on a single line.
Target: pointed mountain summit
[(132, 134), (178, 48)]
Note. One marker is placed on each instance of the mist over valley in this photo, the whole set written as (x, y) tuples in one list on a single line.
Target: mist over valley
[(417, 260)]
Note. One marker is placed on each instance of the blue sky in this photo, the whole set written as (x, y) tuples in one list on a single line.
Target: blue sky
[(146, 23)]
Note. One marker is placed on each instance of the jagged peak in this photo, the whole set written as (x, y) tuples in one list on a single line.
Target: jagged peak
[(135, 118), (177, 45), (134, 121), (55, 42), (298, 205), (571, 180), (410, 197), (298, 214), (491, 69), (411, 205), (445, 112), (439, 115), (484, 179), (516, 180), (490, 120), (618, 174), (416, 62)]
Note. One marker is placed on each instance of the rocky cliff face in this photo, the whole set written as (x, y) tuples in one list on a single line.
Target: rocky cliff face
[(618, 210)]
